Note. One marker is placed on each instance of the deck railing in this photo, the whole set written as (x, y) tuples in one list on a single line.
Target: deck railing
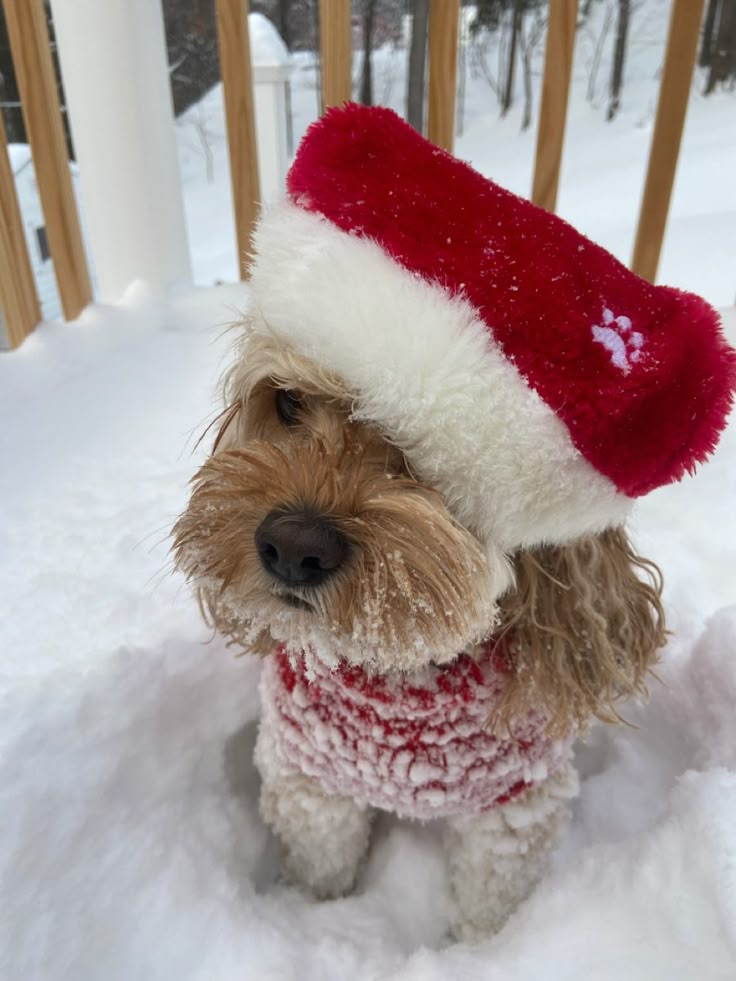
[(33, 64)]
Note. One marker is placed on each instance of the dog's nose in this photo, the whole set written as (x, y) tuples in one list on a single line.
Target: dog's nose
[(300, 548)]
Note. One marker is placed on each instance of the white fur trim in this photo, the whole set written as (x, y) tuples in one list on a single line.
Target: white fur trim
[(425, 369)]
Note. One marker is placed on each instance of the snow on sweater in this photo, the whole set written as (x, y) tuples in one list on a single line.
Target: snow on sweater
[(419, 748)]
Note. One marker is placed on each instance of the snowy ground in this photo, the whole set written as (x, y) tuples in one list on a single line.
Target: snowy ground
[(131, 845)]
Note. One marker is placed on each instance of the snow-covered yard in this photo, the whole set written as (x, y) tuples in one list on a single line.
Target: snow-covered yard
[(131, 846)]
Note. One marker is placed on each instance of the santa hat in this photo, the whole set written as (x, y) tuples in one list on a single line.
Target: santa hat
[(529, 376)]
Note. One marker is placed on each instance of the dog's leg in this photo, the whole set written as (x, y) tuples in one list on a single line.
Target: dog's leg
[(325, 837), (498, 857)]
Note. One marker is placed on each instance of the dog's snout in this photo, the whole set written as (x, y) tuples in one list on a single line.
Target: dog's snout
[(299, 548)]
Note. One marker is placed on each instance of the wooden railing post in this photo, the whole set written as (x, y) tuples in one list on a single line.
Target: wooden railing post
[(237, 83), (336, 52), (18, 297), (561, 23), (674, 91), (34, 70), (444, 17)]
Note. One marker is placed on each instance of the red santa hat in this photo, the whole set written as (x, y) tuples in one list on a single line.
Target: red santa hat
[(528, 375)]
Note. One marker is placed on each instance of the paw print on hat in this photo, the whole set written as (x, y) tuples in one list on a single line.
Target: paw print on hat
[(618, 337)]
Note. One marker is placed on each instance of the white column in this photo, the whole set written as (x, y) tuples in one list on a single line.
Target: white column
[(271, 71), (269, 85), (115, 72)]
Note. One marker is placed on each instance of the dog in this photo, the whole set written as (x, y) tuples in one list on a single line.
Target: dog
[(307, 530), (442, 407)]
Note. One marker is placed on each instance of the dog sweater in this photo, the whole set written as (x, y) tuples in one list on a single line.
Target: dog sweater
[(417, 746)]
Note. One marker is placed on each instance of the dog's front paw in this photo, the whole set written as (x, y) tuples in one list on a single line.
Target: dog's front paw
[(324, 836), (496, 858), (328, 875)]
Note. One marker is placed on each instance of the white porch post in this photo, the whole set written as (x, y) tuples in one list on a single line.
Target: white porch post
[(115, 72), (271, 73)]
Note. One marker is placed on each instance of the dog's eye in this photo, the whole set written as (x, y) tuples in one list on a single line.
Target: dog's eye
[(288, 404)]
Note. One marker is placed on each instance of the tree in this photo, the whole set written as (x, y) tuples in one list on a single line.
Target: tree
[(619, 56), (366, 77), (191, 41), (706, 43), (510, 19), (417, 60), (723, 51), (517, 17), (598, 40), (283, 22), (380, 22), (529, 39)]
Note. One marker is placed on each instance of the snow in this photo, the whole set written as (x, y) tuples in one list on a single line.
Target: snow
[(266, 46), (19, 155), (131, 844)]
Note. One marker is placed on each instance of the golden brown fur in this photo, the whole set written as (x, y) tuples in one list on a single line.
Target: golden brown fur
[(394, 594), (581, 625)]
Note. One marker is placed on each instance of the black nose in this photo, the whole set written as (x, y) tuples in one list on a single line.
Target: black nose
[(300, 548)]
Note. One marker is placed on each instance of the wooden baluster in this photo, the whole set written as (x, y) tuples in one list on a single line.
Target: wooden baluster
[(444, 17), (237, 84), (674, 91), (336, 52), (558, 57), (18, 296), (34, 70)]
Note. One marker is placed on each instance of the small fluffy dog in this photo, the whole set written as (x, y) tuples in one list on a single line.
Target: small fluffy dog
[(413, 506)]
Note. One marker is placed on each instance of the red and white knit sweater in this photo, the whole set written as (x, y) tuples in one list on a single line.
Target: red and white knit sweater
[(420, 749)]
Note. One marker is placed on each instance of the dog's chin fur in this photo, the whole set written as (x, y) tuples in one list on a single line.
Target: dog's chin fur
[(581, 624)]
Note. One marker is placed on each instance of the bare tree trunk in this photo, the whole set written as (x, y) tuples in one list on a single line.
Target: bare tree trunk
[(619, 56), (526, 61), (508, 94), (528, 42), (282, 21), (723, 52), (585, 9), (593, 77), (706, 43), (366, 80), (417, 61)]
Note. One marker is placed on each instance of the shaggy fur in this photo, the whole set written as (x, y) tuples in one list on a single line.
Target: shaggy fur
[(584, 623), (579, 624)]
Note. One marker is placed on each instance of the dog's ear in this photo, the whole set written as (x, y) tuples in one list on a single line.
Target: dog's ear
[(581, 628)]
